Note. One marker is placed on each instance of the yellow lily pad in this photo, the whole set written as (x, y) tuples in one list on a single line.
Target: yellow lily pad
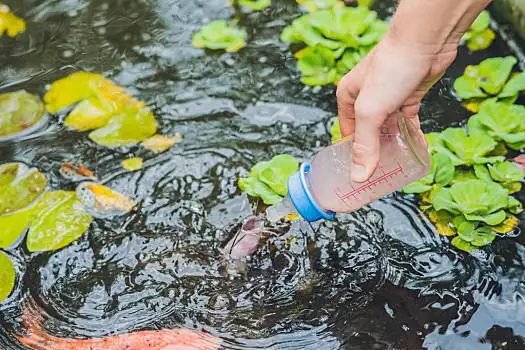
[(21, 190), (7, 276), (12, 226), (10, 23), (159, 143), (132, 164), (60, 218), (91, 113), (443, 222), (506, 226)]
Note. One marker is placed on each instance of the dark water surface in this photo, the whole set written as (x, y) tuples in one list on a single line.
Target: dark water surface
[(380, 278)]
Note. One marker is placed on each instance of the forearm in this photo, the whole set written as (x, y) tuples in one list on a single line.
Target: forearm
[(433, 26)]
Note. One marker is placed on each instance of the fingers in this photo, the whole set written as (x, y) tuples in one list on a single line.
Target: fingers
[(366, 150)]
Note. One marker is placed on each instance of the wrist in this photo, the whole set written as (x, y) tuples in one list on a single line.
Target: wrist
[(431, 27)]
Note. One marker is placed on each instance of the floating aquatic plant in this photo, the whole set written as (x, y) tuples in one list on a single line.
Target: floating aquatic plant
[(218, 35), (490, 79), (116, 117), (160, 143), (19, 111), (336, 39), (10, 23), (255, 5), (479, 36), (316, 5), (7, 276), (132, 164), (267, 180), (500, 121), (335, 131)]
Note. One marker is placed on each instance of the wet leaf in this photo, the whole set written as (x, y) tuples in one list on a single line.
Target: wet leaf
[(10, 23), (74, 173), (335, 132), (317, 64), (468, 150), (91, 113), (60, 218), (506, 172), (159, 143), (12, 226), (514, 86), (277, 172), (101, 201), (74, 88), (462, 245), (7, 276), (255, 5), (443, 222), (316, 5), (481, 41), (18, 192), (506, 226), (132, 164), (129, 127), (19, 111), (256, 188), (217, 35)]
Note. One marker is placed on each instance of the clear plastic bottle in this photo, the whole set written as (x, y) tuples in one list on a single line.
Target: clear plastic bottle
[(325, 187)]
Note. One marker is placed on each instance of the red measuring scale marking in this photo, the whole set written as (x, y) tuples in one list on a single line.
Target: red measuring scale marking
[(370, 184)]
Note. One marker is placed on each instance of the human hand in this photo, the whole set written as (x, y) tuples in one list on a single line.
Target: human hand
[(394, 77)]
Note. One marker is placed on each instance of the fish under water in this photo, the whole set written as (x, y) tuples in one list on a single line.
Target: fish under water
[(166, 339), (245, 242)]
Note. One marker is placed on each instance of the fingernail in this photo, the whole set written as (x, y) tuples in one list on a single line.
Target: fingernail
[(359, 172)]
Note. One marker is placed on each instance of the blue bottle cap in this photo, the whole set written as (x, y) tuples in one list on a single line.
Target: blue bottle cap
[(302, 199)]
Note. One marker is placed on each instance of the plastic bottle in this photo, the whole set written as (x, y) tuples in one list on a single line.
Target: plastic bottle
[(325, 187)]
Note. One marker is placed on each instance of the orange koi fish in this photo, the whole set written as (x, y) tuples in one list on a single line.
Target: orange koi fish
[(166, 339)]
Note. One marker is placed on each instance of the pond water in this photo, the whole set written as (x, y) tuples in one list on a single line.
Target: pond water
[(381, 278)]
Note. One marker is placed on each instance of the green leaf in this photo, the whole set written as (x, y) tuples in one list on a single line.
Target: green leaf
[(316, 5), (465, 229), (481, 23), (515, 206), (479, 197), (217, 35), (19, 111), (60, 219), (506, 172), (469, 149), (443, 201), (462, 245), (335, 132), (130, 127), (350, 59), (301, 30), (514, 86), (482, 172), (468, 88), (256, 188), (490, 219), (21, 190), (255, 5), (417, 187), (492, 73), (12, 226), (444, 169), (7, 276), (462, 175), (277, 172), (317, 65), (481, 41), (482, 236)]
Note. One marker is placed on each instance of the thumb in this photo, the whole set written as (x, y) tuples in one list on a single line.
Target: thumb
[(366, 149)]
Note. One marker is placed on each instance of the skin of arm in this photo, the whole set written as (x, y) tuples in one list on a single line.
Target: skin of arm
[(394, 77)]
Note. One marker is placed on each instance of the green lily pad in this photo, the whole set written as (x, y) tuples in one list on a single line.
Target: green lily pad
[(12, 226), (19, 111), (20, 190), (60, 218), (7, 276), (130, 127), (217, 35)]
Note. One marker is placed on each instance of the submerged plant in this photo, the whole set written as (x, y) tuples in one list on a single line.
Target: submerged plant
[(336, 38), (19, 111), (268, 180), (218, 35), (501, 122), (479, 36), (10, 23), (490, 79), (116, 117)]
